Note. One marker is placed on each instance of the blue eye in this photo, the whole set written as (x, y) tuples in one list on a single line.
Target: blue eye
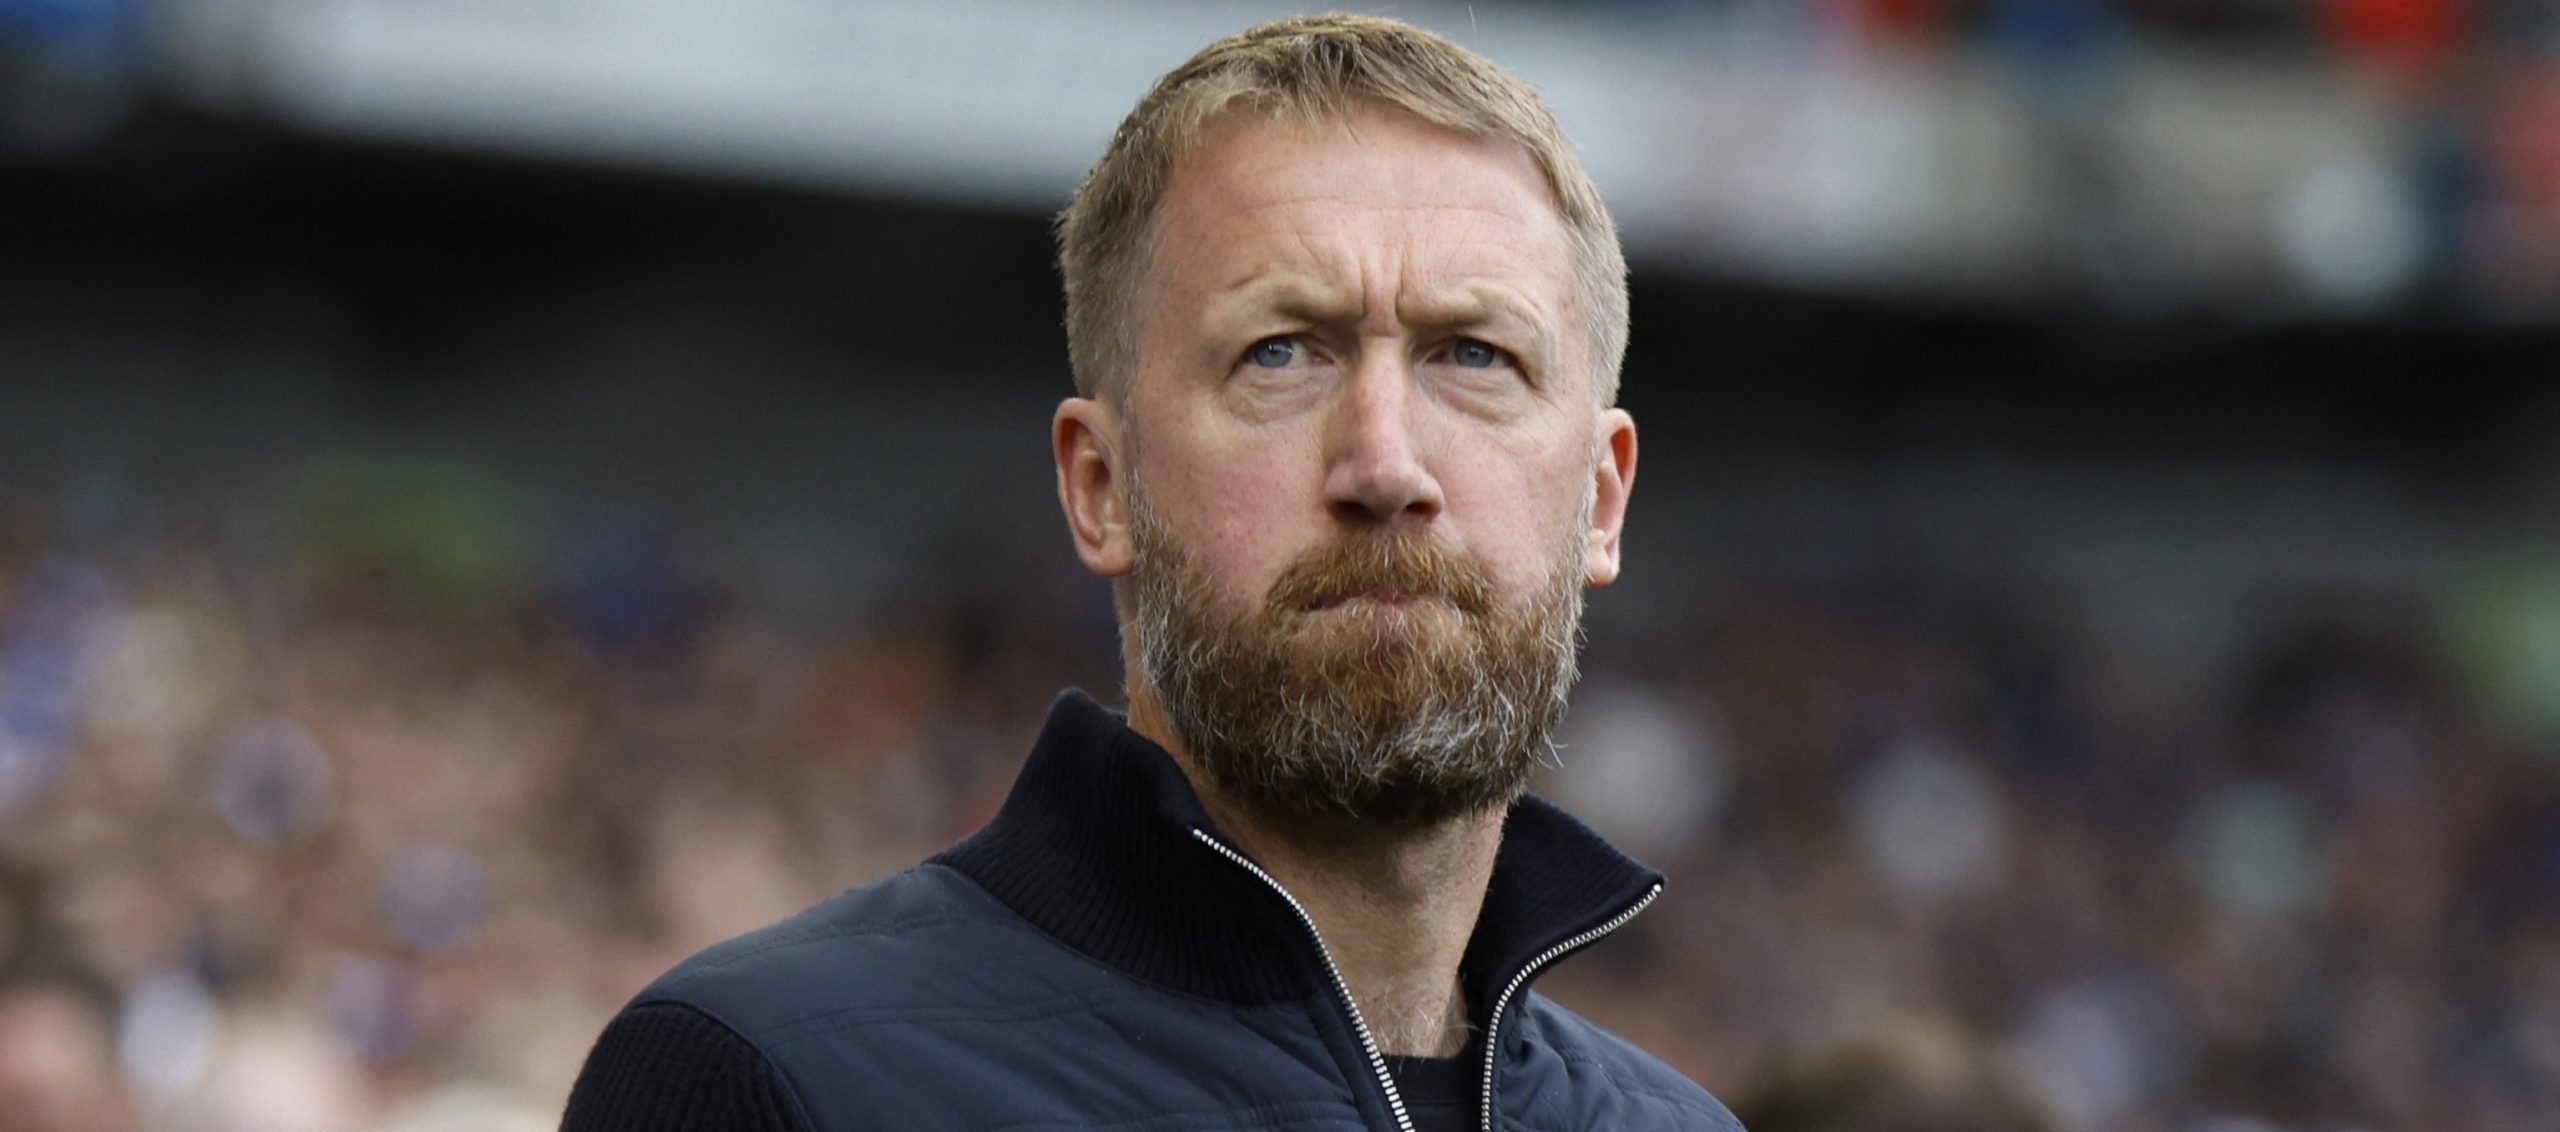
[(1473, 354), (1276, 353)]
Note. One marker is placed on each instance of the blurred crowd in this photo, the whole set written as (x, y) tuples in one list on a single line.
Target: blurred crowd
[(2320, 896), (369, 821), (363, 808)]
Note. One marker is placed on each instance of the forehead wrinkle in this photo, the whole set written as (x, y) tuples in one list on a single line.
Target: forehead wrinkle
[(1333, 273), (1496, 243), (1273, 289)]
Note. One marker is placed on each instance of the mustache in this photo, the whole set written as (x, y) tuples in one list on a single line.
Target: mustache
[(1393, 566)]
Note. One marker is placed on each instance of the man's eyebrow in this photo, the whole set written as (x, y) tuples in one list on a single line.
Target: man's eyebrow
[(1290, 295), (1457, 306), (1471, 304)]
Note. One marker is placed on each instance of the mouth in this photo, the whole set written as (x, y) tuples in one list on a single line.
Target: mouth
[(1377, 597)]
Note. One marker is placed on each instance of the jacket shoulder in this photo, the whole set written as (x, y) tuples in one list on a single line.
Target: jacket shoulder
[(1565, 1064), (923, 1002), (888, 948)]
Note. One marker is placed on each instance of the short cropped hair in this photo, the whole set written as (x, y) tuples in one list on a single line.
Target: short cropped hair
[(1313, 69)]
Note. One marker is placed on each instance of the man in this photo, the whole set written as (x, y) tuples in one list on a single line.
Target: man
[(1346, 319)]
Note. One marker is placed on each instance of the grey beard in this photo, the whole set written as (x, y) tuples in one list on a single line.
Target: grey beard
[(1392, 730)]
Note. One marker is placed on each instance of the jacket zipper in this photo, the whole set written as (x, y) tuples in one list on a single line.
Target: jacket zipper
[(1493, 1024), (1341, 989)]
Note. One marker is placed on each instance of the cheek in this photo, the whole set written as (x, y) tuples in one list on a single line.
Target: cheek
[(1527, 514), (1238, 514)]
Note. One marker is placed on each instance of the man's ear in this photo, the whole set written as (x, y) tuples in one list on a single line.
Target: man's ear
[(1614, 466), (1085, 438)]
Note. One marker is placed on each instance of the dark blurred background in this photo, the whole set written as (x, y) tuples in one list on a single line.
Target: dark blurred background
[(496, 496)]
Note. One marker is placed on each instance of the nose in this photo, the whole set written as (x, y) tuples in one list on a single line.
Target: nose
[(1375, 472)]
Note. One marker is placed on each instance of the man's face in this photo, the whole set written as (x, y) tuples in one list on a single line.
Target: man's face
[(1364, 476)]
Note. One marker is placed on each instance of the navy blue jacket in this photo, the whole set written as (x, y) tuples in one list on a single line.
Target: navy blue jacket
[(1100, 957)]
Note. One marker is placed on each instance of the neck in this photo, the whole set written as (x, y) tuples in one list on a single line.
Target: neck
[(1395, 907)]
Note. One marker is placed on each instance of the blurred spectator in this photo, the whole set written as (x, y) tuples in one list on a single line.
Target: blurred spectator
[(1915, 1079), (55, 1074)]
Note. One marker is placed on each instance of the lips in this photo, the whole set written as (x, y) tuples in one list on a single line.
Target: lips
[(1390, 570), (1381, 597)]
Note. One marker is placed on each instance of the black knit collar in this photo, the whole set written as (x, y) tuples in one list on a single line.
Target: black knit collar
[(1095, 846)]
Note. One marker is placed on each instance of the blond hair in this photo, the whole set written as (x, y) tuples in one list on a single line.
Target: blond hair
[(1314, 69)]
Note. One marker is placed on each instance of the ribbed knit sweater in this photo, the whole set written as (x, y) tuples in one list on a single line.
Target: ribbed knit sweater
[(665, 1065)]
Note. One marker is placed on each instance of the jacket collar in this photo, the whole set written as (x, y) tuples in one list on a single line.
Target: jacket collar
[(1095, 847)]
